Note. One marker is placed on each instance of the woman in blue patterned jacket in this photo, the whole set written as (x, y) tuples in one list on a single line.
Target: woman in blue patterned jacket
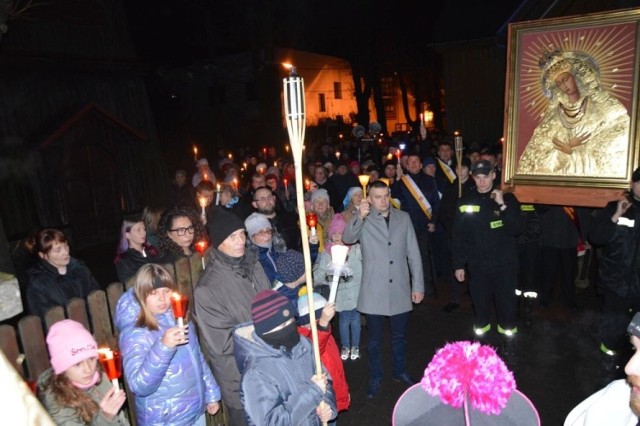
[(163, 364)]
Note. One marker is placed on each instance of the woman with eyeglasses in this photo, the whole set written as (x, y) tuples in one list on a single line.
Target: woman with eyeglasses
[(180, 229)]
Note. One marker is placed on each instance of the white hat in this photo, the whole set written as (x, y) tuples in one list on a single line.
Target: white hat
[(255, 222)]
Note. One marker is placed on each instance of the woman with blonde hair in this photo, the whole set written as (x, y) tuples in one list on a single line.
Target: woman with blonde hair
[(163, 364)]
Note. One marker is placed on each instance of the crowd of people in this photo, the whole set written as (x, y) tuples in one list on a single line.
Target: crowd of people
[(426, 214)]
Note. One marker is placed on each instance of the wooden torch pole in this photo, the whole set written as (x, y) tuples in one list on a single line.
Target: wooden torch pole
[(294, 107)]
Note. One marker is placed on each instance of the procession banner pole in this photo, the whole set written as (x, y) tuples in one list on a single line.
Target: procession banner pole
[(294, 108)]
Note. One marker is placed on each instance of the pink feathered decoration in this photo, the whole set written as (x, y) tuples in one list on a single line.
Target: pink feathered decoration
[(471, 368)]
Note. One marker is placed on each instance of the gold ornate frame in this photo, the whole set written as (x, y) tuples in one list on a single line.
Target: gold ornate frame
[(612, 40)]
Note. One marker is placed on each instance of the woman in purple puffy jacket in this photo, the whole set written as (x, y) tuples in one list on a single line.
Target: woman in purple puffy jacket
[(163, 364)]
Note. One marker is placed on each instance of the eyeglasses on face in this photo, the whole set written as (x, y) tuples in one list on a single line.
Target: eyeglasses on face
[(264, 232), (182, 231)]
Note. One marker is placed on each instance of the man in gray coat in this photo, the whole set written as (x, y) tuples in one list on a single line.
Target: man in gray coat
[(391, 278), (222, 299)]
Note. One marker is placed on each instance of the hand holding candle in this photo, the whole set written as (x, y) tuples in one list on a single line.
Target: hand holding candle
[(179, 305), (364, 181), (338, 258), (111, 364), (312, 222)]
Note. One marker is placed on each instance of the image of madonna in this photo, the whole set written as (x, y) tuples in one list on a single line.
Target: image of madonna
[(585, 130)]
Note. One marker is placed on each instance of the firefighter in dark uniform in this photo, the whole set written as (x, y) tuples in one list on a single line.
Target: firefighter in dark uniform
[(484, 241), (617, 229), (529, 243)]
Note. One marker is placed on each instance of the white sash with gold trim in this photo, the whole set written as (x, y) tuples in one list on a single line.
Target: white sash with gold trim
[(447, 170), (418, 195)]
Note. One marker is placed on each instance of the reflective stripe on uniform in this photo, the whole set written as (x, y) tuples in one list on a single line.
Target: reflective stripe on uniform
[(527, 208), (507, 331), (496, 224), (469, 208), (482, 330), (607, 351)]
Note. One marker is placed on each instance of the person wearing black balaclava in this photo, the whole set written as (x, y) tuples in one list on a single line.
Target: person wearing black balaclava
[(279, 384)]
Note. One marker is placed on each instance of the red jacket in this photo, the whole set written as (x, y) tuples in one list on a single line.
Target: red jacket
[(330, 357)]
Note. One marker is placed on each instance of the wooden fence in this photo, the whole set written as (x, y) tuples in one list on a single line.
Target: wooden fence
[(26, 347)]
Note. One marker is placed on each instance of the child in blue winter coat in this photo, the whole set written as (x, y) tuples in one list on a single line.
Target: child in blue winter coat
[(163, 364)]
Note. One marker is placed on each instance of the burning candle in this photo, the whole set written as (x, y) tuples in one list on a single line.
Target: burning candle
[(286, 187), (398, 154), (244, 166), (195, 153), (235, 183), (217, 194), (286, 148), (111, 364), (275, 164), (264, 153), (312, 222), (201, 247), (230, 156), (203, 203), (307, 185), (338, 155), (179, 304), (205, 177), (364, 181), (389, 156)]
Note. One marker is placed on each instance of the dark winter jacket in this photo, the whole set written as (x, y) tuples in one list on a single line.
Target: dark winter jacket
[(619, 270), (47, 288), (532, 225), (483, 236), (128, 263), (276, 385), (447, 210), (223, 300), (408, 203), (172, 385)]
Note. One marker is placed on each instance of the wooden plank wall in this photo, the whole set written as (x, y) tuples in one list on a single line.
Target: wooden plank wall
[(26, 347)]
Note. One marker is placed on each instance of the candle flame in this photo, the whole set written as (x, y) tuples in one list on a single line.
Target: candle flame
[(202, 201)]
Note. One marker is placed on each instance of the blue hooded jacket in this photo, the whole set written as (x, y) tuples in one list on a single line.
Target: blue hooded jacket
[(172, 386), (276, 386)]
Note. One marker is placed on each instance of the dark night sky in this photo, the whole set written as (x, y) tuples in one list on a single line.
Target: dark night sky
[(180, 32)]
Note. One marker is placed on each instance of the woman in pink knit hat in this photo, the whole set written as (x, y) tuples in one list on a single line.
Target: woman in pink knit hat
[(75, 390)]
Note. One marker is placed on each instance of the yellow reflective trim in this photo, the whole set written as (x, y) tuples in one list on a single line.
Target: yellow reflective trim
[(482, 330), (468, 208), (507, 331), (527, 208), (495, 224)]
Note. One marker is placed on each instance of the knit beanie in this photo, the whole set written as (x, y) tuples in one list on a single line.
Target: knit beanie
[(337, 224), (290, 265), (69, 343), (255, 222), (319, 302), (269, 309), (320, 193), (221, 224)]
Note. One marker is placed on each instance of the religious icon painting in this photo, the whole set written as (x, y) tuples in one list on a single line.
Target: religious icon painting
[(571, 101)]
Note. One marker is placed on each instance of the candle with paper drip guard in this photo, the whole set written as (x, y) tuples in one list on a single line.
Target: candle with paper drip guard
[(179, 305), (203, 203), (338, 258), (312, 222), (364, 181), (201, 247), (111, 364)]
